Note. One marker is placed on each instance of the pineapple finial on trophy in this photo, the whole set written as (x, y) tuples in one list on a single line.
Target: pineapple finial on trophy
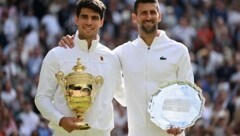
[(79, 67)]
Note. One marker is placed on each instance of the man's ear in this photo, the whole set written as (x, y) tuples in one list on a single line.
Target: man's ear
[(159, 17), (102, 22), (76, 20), (134, 18)]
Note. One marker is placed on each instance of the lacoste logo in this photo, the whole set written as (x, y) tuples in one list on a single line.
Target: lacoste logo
[(163, 58), (101, 58)]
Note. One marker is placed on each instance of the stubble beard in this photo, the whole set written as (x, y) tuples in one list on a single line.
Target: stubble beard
[(148, 30)]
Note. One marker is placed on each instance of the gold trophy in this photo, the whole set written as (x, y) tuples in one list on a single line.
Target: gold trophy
[(80, 89)]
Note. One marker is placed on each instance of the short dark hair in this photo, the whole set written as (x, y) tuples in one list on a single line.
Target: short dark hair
[(137, 2), (95, 5)]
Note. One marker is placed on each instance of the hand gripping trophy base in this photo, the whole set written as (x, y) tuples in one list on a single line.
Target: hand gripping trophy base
[(80, 89), (82, 125)]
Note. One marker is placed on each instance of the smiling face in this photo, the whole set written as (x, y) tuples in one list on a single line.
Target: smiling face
[(89, 22), (147, 18)]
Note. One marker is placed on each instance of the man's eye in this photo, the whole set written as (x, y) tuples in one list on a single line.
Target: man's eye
[(144, 13), (83, 17), (95, 18), (153, 12)]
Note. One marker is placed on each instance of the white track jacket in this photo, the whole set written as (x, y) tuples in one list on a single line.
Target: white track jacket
[(144, 69), (98, 60)]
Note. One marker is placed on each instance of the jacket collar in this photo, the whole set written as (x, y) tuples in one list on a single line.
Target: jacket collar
[(82, 44), (157, 40)]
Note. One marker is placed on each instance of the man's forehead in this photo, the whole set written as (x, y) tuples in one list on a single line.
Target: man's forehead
[(147, 7), (88, 11)]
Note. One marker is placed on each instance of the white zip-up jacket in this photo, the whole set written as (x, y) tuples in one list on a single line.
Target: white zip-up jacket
[(98, 60), (144, 69)]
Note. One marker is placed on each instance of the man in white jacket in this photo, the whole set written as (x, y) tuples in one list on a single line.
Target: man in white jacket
[(147, 62), (98, 60)]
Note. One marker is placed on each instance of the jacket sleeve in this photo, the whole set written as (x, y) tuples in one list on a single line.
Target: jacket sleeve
[(185, 72), (46, 89), (120, 92)]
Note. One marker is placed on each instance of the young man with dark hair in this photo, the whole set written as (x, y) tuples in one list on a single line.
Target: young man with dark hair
[(98, 60)]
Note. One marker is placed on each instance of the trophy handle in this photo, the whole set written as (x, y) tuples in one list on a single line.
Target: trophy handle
[(60, 79), (99, 82)]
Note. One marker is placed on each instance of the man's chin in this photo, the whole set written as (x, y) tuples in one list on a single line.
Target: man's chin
[(89, 36), (148, 28)]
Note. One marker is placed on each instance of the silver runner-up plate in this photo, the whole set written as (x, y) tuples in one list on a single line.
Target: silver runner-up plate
[(176, 104)]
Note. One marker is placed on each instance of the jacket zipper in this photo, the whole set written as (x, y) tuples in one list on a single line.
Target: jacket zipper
[(147, 84)]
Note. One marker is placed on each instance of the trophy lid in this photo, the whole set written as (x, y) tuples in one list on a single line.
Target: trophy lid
[(79, 67), (79, 76)]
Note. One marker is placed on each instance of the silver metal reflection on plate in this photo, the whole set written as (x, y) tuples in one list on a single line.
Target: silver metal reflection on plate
[(176, 104)]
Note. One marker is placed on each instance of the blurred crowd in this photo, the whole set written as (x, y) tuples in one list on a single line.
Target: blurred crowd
[(209, 28)]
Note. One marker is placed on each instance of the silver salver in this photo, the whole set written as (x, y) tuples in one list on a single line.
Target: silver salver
[(176, 104)]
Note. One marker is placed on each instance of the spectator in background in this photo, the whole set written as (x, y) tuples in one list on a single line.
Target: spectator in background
[(42, 129), (31, 39), (9, 26), (8, 95), (8, 123), (184, 32), (205, 37), (29, 20), (29, 119), (52, 26), (219, 10), (34, 62), (120, 120)]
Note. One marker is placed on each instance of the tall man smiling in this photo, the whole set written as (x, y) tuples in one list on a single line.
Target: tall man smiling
[(147, 62)]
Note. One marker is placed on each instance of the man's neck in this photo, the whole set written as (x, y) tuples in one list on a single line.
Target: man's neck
[(89, 43), (149, 37)]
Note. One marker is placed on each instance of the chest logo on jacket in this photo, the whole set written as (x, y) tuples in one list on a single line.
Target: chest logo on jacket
[(101, 58), (163, 58)]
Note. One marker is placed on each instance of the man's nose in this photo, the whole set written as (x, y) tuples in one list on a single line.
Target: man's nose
[(149, 16), (89, 21)]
